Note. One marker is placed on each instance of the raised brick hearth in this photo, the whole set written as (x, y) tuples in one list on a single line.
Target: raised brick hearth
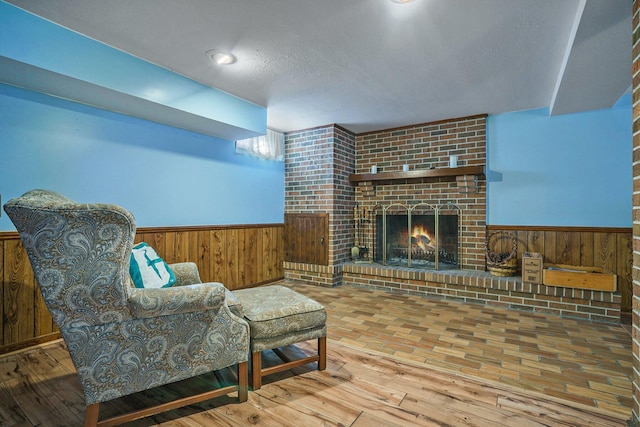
[(480, 287)]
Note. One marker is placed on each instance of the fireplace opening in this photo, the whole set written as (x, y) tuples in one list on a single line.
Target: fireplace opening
[(419, 236)]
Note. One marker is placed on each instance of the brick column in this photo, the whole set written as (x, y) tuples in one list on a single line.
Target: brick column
[(318, 163)]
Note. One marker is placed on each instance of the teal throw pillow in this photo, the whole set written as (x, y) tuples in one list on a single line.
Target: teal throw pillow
[(148, 270)]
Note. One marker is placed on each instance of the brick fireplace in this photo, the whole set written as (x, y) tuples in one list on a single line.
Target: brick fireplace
[(321, 163), (328, 170)]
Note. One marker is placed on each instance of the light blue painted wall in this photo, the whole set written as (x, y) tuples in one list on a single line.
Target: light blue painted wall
[(165, 176), (566, 170), (29, 39)]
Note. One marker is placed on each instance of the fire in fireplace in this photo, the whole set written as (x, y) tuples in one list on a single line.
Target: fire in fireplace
[(419, 236)]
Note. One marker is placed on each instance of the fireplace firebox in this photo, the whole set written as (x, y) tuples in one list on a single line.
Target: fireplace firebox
[(418, 236)]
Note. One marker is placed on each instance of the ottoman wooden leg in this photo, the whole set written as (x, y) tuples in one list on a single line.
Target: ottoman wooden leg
[(322, 353), (256, 370)]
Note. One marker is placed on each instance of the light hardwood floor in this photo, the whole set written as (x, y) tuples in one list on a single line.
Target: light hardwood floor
[(383, 369)]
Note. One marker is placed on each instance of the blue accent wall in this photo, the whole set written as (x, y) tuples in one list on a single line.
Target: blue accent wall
[(164, 175), (566, 170), (70, 57)]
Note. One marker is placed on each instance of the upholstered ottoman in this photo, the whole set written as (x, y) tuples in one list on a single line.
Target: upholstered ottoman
[(279, 316)]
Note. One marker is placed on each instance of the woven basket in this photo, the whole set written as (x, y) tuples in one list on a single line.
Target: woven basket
[(502, 264)]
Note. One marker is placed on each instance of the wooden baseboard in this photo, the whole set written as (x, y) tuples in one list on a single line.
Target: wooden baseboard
[(10, 348)]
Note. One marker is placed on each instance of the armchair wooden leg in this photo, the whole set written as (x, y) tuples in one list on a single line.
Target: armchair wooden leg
[(256, 370), (322, 353), (243, 381), (91, 415), (92, 412)]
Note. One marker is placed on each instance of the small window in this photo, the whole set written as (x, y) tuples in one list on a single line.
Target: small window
[(269, 146)]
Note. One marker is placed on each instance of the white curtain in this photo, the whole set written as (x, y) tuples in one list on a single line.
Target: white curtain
[(269, 146)]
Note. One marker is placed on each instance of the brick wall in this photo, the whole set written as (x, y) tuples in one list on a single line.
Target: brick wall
[(421, 147), (635, 419)]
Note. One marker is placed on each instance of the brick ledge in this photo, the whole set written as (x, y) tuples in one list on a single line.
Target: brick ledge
[(478, 286)]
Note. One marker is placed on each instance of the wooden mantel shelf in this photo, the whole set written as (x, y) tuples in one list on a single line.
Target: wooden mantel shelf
[(418, 174)]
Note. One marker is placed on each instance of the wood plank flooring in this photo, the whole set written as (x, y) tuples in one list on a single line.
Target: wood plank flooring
[(393, 360), (584, 362), (359, 388)]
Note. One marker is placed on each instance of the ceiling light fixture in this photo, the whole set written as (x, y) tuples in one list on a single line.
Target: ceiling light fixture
[(402, 1), (220, 57)]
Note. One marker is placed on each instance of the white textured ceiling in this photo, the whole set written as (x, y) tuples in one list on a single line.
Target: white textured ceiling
[(374, 64)]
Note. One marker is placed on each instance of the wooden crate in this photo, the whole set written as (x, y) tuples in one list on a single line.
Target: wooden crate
[(571, 276), (532, 267)]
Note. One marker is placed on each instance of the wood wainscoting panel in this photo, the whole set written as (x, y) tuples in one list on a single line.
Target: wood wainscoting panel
[(306, 238), (239, 256), (602, 247), (19, 294), (24, 317)]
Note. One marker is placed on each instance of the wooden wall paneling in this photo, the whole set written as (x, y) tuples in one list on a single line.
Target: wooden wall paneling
[(522, 237), (218, 248), (290, 242), (237, 256), (310, 240), (306, 238), (145, 237), (586, 249), (193, 251), (287, 236), (258, 254), (170, 247), (202, 240), (304, 252), (590, 246), (550, 247), (290, 235), (244, 265), (267, 252), (142, 237), (19, 294), (323, 241), (606, 250), (158, 241), (250, 258), (301, 242), (535, 241), (240, 258), (182, 247), (277, 252), (624, 265), (137, 239), (607, 253), (568, 249), (278, 257), (231, 260), (292, 238), (276, 249)]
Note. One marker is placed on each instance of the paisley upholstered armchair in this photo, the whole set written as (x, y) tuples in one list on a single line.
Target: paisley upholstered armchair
[(124, 339)]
